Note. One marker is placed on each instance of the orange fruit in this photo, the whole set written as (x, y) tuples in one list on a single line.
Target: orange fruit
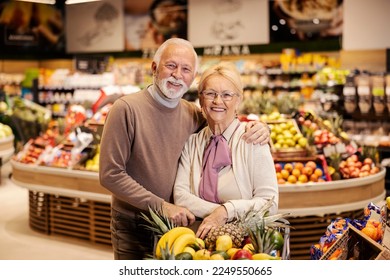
[(299, 165), (292, 179), (370, 231), (285, 173), (311, 164), (302, 178), (289, 167), (307, 170), (313, 177), (281, 181), (318, 172), (296, 172)]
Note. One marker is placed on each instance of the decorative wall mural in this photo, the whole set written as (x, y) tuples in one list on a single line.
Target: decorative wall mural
[(305, 20), (95, 27), (32, 27), (149, 23), (228, 22)]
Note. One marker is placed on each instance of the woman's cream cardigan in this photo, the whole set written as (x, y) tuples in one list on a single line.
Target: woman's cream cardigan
[(252, 166)]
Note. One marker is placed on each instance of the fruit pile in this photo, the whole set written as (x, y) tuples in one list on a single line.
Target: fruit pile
[(180, 243), (35, 148), (352, 167), (323, 137), (299, 172), (287, 135), (253, 235)]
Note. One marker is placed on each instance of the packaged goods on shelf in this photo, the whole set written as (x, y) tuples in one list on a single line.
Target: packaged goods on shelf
[(355, 239)]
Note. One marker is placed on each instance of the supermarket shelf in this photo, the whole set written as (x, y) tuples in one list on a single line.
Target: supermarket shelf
[(335, 208), (341, 195)]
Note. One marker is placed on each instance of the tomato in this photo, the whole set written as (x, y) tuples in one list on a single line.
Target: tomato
[(278, 240)]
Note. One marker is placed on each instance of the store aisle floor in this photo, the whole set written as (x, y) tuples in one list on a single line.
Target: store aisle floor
[(19, 242)]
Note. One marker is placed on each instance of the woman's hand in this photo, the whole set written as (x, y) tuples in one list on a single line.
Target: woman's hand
[(216, 218), (257, 132), (179, 215)]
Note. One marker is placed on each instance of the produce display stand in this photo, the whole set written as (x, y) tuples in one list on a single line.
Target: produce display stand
[(6, 149), (72, 203), (65, 202), (312, 206)]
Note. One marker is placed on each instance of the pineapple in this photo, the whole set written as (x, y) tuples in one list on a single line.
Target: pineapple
[(234, 230), (244, 224), (167, 254), (262, 239)]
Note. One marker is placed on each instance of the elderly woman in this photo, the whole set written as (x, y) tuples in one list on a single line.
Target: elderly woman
[(220, 176)]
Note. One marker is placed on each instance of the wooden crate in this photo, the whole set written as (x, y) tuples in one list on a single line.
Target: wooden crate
[(283, 153)]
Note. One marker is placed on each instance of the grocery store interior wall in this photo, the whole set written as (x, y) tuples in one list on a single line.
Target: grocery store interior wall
[(364, 41)]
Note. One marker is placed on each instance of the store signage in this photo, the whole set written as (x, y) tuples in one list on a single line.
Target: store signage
[(226, 50)]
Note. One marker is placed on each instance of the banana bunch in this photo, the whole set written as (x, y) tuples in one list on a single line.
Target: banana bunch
[(175, 240)]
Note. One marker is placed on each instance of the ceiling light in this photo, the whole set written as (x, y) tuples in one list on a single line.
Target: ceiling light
[(69, 2), (50, 2)]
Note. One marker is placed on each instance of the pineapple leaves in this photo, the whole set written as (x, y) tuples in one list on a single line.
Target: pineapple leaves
[(157, 222)]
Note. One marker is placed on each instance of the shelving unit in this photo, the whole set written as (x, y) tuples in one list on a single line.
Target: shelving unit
[(73, 203)]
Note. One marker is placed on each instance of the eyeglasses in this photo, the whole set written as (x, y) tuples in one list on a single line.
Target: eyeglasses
[(225, 96)]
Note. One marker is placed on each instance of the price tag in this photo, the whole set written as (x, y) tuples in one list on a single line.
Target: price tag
[(329, 150), (340, 148)]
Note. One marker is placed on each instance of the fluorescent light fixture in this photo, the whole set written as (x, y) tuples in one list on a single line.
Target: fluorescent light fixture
[(50, 2), (69, 2)]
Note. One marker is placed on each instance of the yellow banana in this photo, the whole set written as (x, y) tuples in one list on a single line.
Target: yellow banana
[(169, 237), (183, 241), (264, 256)]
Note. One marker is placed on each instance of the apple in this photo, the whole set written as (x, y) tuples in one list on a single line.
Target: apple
[(242, 254), (365, 167), (278, 167), (302, 142), (368, 161)]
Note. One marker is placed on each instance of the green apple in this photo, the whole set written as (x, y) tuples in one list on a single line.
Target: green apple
[(302, 142)]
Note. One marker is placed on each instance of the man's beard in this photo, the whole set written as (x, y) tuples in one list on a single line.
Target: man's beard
[(172, 93)]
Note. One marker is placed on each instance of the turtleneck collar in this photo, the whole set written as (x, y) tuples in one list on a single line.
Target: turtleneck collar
[(160, 98)]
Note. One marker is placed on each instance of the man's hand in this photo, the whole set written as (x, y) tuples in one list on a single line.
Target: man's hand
[(216, 218), (256, 132), (179, 215)]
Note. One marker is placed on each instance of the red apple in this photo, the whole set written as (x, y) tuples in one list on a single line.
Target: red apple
[(242, 254), (278, 167)]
